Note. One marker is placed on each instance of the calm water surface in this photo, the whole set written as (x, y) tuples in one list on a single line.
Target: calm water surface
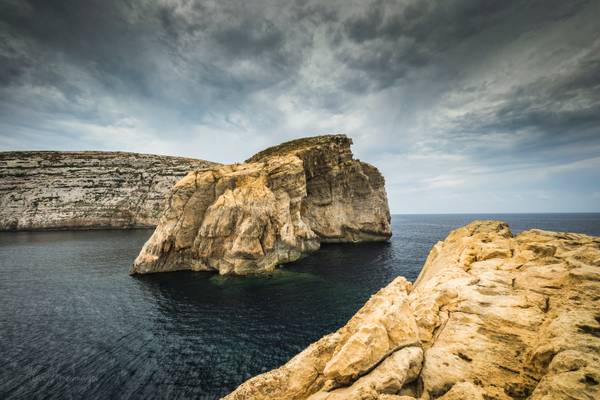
[(73, 324)]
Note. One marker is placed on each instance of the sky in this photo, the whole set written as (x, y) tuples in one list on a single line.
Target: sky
[(464, 105)]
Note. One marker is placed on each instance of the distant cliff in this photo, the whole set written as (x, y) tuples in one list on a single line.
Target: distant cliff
[(273, 209), (86, 190)]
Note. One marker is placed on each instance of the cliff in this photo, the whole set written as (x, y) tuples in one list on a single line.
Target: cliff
[(274, 208), (491, 316), (345, 198), (76, 190)]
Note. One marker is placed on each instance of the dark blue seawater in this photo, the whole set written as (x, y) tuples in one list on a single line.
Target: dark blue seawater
[(73, 324)]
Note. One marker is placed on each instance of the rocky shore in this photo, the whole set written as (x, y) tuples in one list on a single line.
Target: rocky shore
[(491, 316), (86, 190), (276, 207)]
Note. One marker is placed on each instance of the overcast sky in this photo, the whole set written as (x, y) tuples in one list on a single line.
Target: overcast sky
[(464, 105)]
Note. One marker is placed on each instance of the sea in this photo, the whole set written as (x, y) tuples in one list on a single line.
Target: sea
[(75, 325)]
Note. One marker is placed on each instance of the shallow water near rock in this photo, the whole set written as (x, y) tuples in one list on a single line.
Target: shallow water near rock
[(73, 324)]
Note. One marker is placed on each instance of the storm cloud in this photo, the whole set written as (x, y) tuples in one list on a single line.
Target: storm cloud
[(465, 105)]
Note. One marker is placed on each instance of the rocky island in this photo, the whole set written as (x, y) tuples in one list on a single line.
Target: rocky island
[(276, 207), (491, 316), (86, 190)]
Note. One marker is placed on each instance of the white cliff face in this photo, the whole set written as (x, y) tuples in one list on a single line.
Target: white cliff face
[(275, 208), (491, 316), (74, 190)]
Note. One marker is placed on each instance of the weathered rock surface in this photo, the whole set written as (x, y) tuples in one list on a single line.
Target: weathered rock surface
[(345, 198), (70, 190), (279, 205), (491, 316)]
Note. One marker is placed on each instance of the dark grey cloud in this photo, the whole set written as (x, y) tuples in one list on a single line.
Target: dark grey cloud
[(391, 39), (447, 97), (558, 109)]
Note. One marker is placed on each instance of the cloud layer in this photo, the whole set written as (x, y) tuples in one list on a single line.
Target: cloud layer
[(465, 105)]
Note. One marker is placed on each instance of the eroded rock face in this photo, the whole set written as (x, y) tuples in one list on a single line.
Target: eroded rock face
[(345, 198), (491, 316), (276, 207), (74, 190)]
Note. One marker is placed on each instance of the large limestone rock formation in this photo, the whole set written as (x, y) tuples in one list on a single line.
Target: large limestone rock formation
[(345, 198), (71, 190), (279, 205), (491, 316)]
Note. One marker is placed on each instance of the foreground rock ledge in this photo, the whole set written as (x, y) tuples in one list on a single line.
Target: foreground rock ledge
[(279, 205), (491, 316)]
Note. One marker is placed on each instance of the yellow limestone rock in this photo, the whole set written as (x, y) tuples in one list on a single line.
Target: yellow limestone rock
[(305, 374), (273, 209), (388, 377), (236, 219), (384, 325), (495, 316)]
